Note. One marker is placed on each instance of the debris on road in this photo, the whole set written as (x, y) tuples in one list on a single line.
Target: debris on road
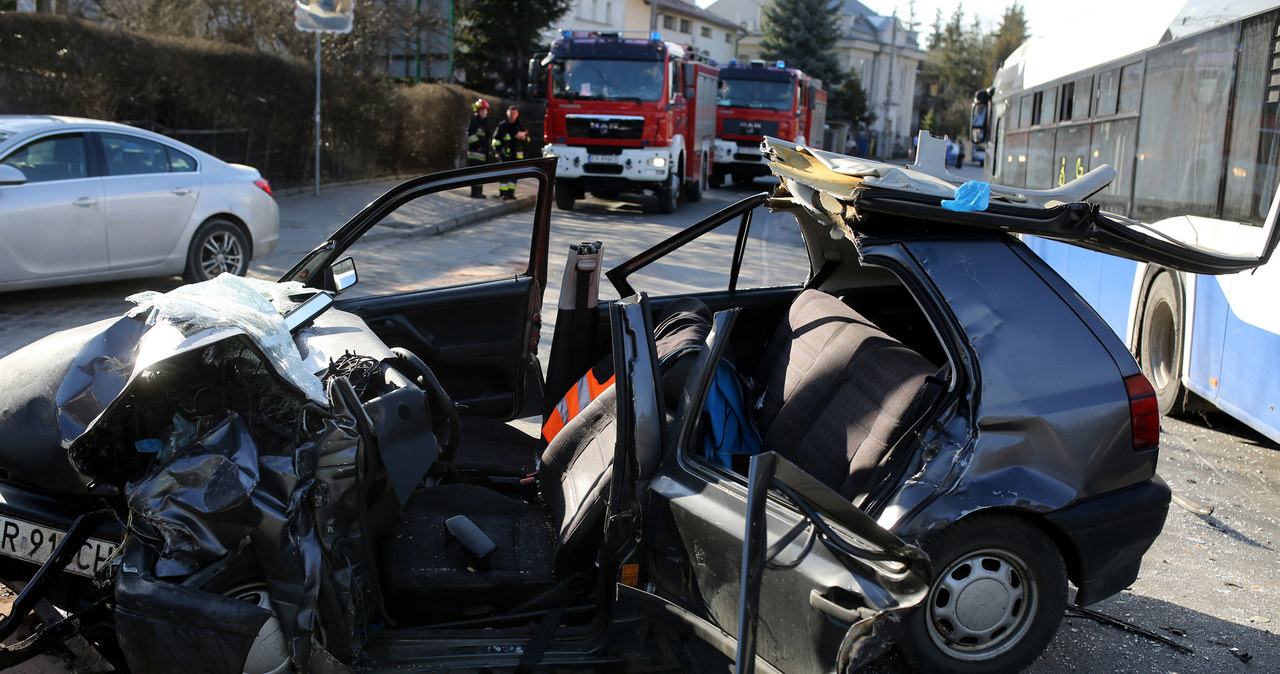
[(1081, 612)]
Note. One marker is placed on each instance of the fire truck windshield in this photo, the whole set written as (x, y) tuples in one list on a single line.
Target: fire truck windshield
[(608, 80), (757, 94)]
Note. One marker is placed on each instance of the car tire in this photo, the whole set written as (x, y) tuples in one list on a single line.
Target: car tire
[(218, 246), (564, 195), (987, 562), (669, 195), (1160, 343)]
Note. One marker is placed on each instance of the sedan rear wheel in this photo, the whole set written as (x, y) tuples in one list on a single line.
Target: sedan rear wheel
[(218, 247), (996, 600)]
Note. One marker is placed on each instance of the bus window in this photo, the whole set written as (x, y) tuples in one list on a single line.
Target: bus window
[(1071, 153), (1083, 87), (1253, 160), (1025, 106), (1113, 144), (1066, 100), (1130, 87), (1014, 159), (1108, 88), (1040, 173), (1182, 126)]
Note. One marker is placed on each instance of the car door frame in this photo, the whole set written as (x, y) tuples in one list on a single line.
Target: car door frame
[(450, 349)]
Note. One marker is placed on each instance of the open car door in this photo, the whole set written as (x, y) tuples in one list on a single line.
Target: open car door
[(475, 325), (776, 572), (870, 197)]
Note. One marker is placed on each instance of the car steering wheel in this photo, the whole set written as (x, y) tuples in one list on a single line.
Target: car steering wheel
[(439, 399)]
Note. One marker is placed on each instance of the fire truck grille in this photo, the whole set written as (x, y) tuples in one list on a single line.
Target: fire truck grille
[(750, 127), (612, 128)]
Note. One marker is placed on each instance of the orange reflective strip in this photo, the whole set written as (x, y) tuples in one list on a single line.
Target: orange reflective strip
[(598, 387)]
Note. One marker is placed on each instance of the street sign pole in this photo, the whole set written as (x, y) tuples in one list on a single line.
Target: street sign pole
[(317, 192), (319, 17)]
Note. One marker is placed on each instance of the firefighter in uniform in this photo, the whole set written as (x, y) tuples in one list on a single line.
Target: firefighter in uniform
[(478, 141), (508, 145)]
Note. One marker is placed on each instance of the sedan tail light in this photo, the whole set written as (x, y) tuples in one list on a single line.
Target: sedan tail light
[(264, 186), (1144, 412)]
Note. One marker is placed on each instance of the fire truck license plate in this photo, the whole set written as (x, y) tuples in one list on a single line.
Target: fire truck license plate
[(603, 158), (35, 543)]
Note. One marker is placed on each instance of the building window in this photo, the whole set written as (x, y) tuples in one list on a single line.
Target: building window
[(728, 37), (706, 32), (608, 13), (684, 26), (668, 22)]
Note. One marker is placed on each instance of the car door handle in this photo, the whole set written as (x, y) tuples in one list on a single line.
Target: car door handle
[(836, 608), (181, 191), (85, 202)]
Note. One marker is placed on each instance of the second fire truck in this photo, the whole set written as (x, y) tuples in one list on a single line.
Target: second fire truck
[(758, 100), (627, 114)]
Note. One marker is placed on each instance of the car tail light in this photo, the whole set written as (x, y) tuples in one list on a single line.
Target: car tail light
[(1144, 412), (264, 186)]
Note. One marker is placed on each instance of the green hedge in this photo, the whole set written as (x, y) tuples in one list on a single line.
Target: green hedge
[(242, 105)]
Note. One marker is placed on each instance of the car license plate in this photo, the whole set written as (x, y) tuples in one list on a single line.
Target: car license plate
[(35, 543), (604, 158)]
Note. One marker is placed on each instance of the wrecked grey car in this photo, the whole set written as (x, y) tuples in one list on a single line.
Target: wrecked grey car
[(920, 445)]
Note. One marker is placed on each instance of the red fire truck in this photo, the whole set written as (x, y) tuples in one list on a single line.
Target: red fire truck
[(757, 100), (627, 114)]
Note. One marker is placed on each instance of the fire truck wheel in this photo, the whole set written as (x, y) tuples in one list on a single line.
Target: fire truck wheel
[(693, 188), (564, 195), (669, 194), (716, 179)]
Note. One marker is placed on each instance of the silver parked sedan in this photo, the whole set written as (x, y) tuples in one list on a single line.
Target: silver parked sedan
[(85, 200)]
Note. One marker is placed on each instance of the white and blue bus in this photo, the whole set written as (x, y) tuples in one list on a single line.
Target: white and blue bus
[(1192, 126)]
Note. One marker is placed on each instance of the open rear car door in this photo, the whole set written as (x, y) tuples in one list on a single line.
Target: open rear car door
[(885, 197)]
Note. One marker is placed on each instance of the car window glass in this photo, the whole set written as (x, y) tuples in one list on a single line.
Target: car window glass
[(775, 256), (127, 155), (429, 242), (180, 162), (54, 158)]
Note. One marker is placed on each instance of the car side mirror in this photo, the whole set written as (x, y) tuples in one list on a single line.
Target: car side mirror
[(343, 273), (11, 176)]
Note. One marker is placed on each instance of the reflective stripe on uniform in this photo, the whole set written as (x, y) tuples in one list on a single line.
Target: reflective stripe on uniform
[(575, 400)]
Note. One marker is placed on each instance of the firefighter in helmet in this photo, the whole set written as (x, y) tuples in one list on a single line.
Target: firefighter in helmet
[(478, 140), (508, 145)]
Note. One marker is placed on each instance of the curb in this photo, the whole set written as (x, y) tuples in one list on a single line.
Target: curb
[(292, 191), (479, 214)]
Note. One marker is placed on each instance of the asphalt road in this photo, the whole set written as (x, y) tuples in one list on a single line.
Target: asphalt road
[(1211, 583)]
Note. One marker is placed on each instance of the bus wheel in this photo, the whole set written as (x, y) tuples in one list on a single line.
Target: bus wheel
[(1160, 343)]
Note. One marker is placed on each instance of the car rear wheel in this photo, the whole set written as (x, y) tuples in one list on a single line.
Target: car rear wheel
[(999, 590), (218, 247), (1160, 344)]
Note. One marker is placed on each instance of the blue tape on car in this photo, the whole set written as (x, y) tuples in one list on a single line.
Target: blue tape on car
[(974, 195)]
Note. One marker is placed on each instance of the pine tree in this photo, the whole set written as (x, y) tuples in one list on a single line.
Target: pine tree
[(848, 102), (803, 33), (1011, 33), (496, 38)]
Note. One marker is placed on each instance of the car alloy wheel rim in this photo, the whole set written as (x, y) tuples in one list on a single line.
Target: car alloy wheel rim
[(221, 253), (1160, 345), (982, 605)]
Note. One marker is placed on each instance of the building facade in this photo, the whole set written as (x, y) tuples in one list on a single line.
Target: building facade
[(885, 53), (678, 21)]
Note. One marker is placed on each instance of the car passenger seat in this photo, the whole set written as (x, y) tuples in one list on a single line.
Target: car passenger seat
[(839, 392)]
